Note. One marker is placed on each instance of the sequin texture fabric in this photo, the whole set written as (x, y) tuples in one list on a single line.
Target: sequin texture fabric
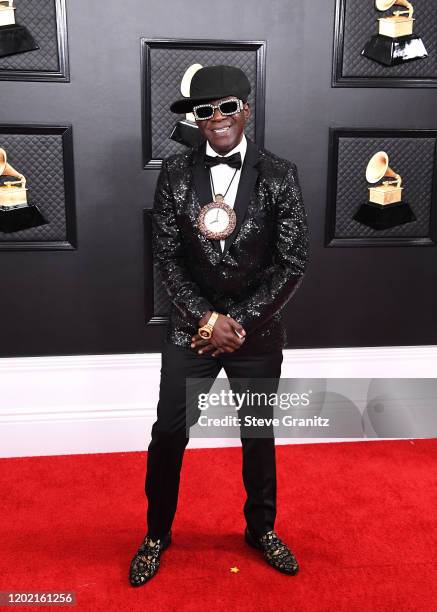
[(264, 259), (146, 561), (277, 554)]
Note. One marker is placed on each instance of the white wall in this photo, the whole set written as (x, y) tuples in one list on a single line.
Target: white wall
[(107, 403)]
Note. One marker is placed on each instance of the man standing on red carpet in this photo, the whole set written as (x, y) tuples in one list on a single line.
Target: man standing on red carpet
[(230, 239)]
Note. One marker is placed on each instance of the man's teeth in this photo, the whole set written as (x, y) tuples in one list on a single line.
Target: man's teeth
[(220, 130)]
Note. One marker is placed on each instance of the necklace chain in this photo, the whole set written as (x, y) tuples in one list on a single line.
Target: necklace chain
[(212, 184)]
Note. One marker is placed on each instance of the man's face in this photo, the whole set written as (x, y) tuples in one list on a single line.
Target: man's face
[(224, 132)]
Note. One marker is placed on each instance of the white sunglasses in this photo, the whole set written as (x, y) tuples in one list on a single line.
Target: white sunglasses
[(227, 107)]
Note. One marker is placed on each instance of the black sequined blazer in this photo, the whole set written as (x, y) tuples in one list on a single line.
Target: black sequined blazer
[(263, 261)]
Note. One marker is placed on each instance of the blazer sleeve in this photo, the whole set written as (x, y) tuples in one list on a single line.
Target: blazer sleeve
[(290, 257), (168, 254)]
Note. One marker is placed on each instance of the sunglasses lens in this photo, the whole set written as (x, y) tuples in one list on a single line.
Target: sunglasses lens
[(204, 112), (229, 107)]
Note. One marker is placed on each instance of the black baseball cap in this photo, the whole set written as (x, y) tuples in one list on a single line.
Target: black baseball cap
[(213, 83)]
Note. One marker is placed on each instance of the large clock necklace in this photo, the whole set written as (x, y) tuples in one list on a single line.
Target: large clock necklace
[(217, 219)]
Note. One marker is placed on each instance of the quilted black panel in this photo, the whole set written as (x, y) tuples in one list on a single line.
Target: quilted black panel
[(39, 17), (167, 69), (40, 158), (161, 301), (412, 158), (361, 24)]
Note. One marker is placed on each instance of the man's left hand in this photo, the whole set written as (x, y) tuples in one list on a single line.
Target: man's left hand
[(202, 345)]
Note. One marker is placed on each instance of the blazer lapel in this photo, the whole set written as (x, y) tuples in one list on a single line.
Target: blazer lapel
[(202, 184), (248, 177)]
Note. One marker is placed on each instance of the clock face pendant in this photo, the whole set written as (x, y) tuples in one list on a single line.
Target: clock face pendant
[(217, 220)]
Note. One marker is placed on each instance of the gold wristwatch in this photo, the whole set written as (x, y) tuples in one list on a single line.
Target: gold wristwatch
[(206, 330)]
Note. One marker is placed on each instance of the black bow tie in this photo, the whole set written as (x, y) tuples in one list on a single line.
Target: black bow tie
[(233, 160)]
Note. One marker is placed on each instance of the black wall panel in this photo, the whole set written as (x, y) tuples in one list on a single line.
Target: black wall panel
[(91, 300)]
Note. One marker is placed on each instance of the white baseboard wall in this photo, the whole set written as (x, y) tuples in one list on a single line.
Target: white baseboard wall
[(107, 403)]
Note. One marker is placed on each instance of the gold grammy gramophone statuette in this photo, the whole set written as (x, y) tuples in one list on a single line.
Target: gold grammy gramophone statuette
[(14, 38), (400, 23), (7, 12), (12, 192), (385, 208), (395, 42), (389, 191), (186, 131), (15, 211)]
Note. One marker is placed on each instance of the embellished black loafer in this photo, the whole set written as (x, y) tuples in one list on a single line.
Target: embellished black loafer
[(146, 561), (275, 551)]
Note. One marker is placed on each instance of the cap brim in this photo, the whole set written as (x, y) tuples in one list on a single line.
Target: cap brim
[(185, 105)]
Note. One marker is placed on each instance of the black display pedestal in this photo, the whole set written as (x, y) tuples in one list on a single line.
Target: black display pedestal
[(187, 133), (391, 51), (384, 216), (15, 39), (21, 218)]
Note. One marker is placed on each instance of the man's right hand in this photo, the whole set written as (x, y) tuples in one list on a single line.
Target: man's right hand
[(224, 337)]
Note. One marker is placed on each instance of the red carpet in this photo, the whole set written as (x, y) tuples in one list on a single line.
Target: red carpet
[(360, 517)]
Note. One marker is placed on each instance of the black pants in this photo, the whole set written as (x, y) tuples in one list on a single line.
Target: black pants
[(169, 435)]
